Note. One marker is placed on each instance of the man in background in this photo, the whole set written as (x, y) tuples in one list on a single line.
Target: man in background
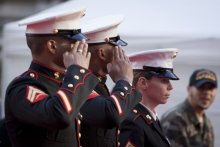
[(187, 125)]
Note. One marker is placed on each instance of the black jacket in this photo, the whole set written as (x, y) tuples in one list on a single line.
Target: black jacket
[(139, 129), (41, 106), (102, 113)]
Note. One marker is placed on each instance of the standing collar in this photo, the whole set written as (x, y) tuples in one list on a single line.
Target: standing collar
[(102, 79), (46, 71), (154, 115)]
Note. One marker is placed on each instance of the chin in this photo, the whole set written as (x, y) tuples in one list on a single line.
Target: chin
[(204, 106), (163, 102)]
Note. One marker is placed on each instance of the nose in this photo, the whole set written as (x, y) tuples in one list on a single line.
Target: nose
[(170, 87)]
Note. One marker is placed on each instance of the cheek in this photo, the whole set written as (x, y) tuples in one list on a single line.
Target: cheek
[(64, 46), (110, 56), (156, 91)]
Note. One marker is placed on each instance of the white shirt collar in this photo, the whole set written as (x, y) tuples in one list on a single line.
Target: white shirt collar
[(154, 115)]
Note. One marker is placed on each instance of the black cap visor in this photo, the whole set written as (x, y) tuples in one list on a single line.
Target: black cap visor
[(78, 37), (72, 34), (168, 74), (201, 82), (117, 41), (161, 72)]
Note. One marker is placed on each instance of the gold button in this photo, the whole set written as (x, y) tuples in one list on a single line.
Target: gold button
[(122, 94), (56, 75), (76, 77), (148, 117), (82, 71), (32, 75), (100, 79), (118, 132), (79, 122), (79, 135), (135, 111), (70, 85), (118, 143), (80, 115), (126, 88), (55, 30)]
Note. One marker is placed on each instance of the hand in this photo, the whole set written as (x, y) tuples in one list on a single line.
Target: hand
[(78, 55), (120, 68)]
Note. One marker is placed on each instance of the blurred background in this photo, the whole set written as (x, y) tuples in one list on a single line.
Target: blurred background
[(191, 26)]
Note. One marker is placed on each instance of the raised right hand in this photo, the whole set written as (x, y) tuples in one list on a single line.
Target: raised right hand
[(120, 68), (78, 55)]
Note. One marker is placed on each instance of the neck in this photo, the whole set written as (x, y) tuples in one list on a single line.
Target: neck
[(48, 63), (97, 68), (198, 111), (149, 104)]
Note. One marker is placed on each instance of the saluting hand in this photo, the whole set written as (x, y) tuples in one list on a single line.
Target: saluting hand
[(78, 55), (120, 68)]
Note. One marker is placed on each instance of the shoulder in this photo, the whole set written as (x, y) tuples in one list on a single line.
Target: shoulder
[(22, 81), (176, 117), (208, 122), (174, 113), (132, 123), (137, 117)]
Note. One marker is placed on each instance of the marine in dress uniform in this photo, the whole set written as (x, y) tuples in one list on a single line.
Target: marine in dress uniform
[(42, 103), (181, 124), (102, 114), (152, 72)]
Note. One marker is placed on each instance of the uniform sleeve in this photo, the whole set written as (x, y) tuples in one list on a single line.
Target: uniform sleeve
[(29, 102), (175, 130), (131, 135), (102, 111)]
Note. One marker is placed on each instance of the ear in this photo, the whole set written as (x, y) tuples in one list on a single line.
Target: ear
[(142, 83), (51, 45), (102, 54)]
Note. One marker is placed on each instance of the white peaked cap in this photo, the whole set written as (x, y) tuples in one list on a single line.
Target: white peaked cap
[(161, 58), (49, 22), (100, 29)]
